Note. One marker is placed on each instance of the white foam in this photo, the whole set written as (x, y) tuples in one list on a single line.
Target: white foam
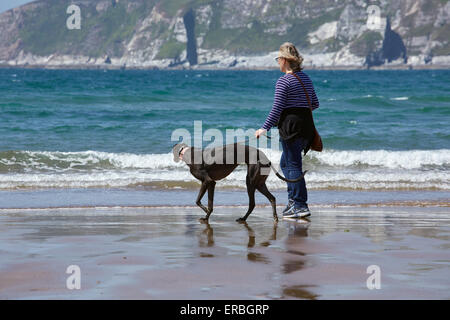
[(400, 98), (369, 169), (39, 160), (411, 159), (348, 179)]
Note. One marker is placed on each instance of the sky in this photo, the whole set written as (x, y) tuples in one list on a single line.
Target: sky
[(9, 4)]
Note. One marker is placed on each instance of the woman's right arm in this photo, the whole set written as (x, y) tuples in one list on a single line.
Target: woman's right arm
[(279, 102)]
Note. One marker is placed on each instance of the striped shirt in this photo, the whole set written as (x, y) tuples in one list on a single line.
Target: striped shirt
[(289, 93)]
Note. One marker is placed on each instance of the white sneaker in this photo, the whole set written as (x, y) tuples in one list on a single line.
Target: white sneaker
[(297, 213)]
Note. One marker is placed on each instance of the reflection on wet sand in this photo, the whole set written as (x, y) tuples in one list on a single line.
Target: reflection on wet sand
[(292, 261), (208, 233), (166, 253), (300, 292), (256, 256), (295, 260)]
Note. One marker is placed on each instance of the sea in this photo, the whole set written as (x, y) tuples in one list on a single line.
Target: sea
[(99, 131)]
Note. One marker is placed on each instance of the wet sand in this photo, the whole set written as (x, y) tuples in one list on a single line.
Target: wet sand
[(166, 253)]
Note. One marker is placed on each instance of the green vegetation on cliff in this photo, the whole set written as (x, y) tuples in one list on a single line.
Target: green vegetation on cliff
[(45, 32), (239, 27)]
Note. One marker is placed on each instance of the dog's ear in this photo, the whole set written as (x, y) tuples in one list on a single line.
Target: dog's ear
[(176, 151)]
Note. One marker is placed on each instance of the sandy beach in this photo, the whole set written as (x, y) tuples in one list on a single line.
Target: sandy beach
[(166, 253)]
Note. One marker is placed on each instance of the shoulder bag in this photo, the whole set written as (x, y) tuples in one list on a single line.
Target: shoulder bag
[(316, 144)]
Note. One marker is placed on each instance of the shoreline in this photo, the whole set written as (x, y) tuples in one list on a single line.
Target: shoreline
[(179, 198), (416, 204), (206, 68)]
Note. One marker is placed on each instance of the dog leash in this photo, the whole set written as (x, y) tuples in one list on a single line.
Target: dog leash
[(250, 139)]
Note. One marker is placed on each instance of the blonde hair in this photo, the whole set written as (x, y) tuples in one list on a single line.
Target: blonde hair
[(289, 52)]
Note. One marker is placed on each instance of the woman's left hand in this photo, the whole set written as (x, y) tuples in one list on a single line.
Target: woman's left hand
[(259, 132)]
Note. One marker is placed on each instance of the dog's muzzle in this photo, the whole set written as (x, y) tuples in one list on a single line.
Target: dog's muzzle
[(180, 153)]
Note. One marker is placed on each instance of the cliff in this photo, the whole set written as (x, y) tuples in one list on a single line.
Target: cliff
[(226, 33)]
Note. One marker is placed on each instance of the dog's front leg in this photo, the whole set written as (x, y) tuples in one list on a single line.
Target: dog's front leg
[(207, 185), (201, 193), (211, 186)]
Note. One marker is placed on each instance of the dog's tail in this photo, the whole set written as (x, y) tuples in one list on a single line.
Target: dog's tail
[(285, 179)]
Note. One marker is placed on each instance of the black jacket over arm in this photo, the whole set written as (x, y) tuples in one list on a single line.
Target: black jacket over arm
[(297, 122)]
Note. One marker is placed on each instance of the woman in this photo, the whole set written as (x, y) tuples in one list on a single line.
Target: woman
[(292, 113)]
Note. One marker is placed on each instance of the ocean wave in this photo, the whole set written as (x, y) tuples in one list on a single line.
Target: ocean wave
[(400, 98), (20, 161), (172, 179), (331, 169), (411, 159), (11, 161)]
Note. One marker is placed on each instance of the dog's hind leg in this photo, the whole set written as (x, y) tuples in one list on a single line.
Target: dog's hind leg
[(263, 189), (251, 200)]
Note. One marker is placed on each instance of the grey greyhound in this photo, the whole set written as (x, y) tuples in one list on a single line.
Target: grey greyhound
[(212, 164)]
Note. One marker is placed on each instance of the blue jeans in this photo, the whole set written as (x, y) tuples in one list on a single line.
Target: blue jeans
[(291, 165)]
